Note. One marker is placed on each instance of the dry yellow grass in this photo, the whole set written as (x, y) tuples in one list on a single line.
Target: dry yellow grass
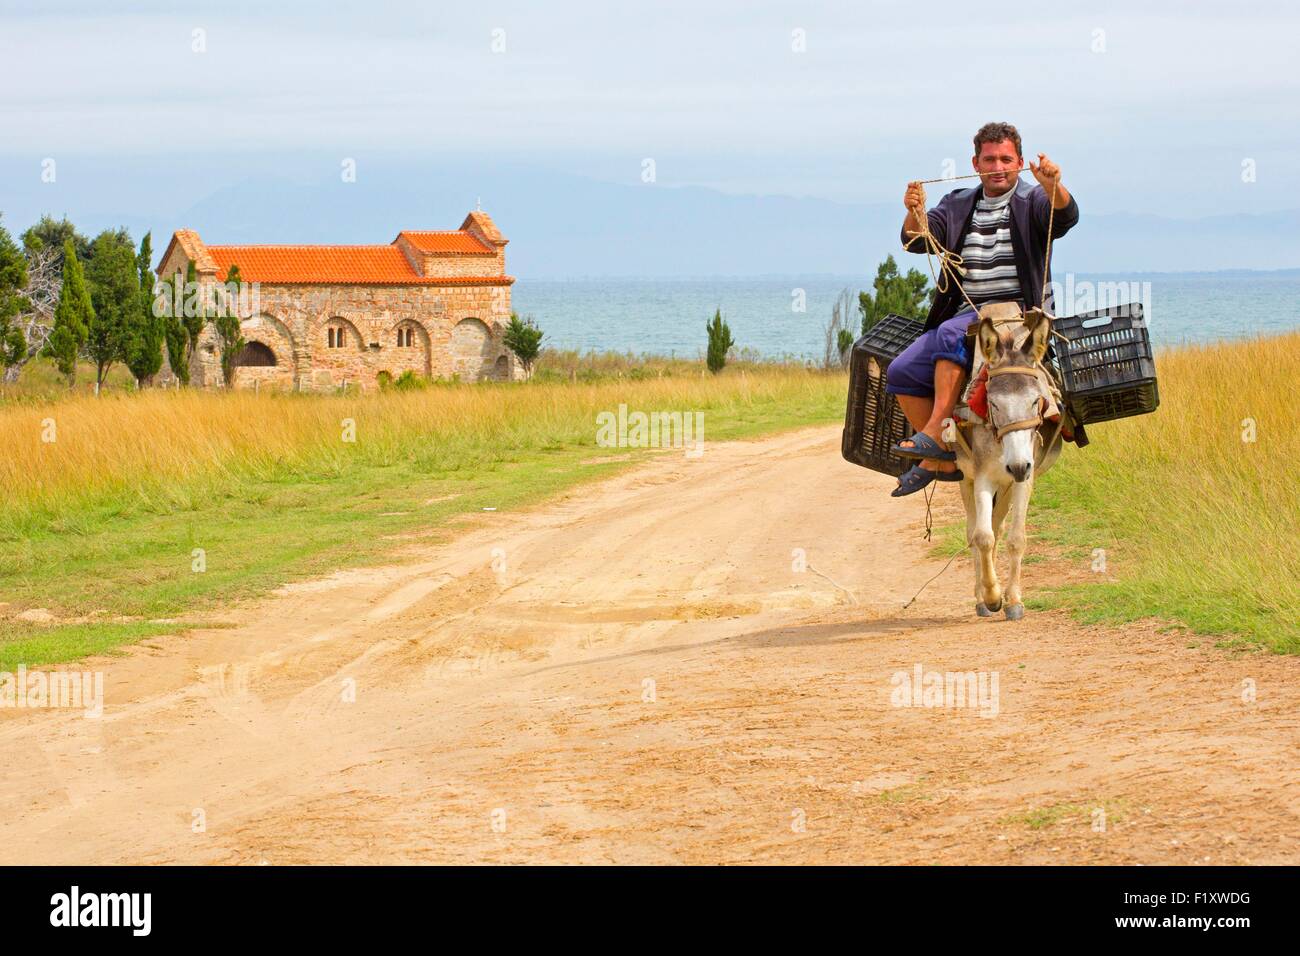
[(1200, 524), (1199, 501), (163, 447)]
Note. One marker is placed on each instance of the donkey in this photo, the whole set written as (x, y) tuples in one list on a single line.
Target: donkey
[(1004, 454)]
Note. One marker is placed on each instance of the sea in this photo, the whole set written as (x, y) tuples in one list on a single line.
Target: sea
[(786, 316)]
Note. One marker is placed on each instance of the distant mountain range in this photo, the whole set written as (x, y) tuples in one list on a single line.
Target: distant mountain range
[(561, 225)]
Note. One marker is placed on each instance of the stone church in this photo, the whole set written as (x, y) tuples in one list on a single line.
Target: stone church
[(320, 317)]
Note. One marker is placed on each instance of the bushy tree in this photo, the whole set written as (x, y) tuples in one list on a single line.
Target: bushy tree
[(115, 296), (720, 342), (894, 292), (524, 338), (13, 279), (230, 336), (845, 343), (72, 316), (145, 329), (52, 234)]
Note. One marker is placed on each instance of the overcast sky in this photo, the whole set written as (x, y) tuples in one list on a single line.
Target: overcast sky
[(1153, 111)]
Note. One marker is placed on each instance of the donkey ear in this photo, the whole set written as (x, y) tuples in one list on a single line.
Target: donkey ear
[(1040, 327), (988, 339)]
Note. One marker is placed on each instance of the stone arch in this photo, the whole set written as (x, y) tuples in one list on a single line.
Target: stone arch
[(269, 356), (256, 355), (354, 339), (418, 356), (501, 369), (472, 350), (337, 365)]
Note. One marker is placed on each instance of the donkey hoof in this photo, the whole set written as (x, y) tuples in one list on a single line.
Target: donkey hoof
[(1015, 612), (982, 609), (993, 608)]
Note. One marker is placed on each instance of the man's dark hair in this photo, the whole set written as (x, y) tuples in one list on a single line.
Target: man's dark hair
[(996, 133)]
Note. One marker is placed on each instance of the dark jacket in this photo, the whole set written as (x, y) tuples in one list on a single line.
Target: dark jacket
[(950, 221)]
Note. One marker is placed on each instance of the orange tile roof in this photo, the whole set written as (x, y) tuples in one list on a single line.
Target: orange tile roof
[(332, 265), (485, 225), (193, 248), (453, 242)]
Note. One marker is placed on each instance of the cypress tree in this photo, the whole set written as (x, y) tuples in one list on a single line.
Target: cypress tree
[(115, 295), (719, 342), (193, 315), (72, 316), (144, 329), (228, 329), (174, 332), (13, 279)]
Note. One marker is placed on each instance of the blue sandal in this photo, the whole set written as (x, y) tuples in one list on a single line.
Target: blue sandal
[(923, 446), (917, 477)]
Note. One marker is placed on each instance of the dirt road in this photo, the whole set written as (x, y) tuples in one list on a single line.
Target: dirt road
[(641, 673)]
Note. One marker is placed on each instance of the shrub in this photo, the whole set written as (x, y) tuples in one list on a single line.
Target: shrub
[(720, 341), (408, 381)]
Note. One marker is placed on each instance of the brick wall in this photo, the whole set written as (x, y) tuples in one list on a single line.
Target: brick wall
[(293, 322)]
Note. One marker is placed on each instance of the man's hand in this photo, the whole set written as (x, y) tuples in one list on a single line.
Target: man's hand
[(1046, 172), (914, 198), (1048, 175)]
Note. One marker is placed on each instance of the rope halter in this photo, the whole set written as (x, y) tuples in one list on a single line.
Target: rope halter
[(1023, 424)]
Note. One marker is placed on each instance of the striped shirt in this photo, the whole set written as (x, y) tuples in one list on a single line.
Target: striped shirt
[(987, 255)]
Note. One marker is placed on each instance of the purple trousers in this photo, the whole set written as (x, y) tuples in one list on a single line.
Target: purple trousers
[(912, 373)]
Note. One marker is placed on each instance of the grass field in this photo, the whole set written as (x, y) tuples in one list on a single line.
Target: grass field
[(102, 525), (1196, 506)]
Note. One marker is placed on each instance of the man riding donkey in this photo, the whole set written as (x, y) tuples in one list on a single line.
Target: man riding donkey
[(1000, 231)]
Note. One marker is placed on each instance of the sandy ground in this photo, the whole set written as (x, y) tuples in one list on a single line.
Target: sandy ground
[(640, 673)]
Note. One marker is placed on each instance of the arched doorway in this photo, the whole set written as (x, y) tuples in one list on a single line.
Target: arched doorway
[(256, 366), (270, 357), (255, 355)]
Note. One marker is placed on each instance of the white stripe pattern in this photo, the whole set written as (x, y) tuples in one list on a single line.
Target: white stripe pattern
[(987, 253)]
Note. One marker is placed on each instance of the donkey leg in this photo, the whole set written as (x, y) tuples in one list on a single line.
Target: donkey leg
[(968, 502), (985, 545), (1001, 504), (1020, 492)]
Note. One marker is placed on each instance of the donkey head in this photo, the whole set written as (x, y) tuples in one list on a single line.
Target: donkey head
[(1015, 398)]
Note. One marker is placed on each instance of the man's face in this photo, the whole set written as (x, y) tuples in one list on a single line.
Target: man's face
[(998, 163)]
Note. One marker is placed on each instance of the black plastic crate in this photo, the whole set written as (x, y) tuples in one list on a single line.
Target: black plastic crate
[(1107, 368), (873, 421)]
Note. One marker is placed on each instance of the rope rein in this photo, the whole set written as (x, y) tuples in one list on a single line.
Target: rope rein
[(951, 263), (951, 268), (931, 581)]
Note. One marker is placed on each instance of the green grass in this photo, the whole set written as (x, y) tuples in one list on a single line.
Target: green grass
[(1040, 818), (1196, 506), (1070, 524), (123, 560), (1138, 582)]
